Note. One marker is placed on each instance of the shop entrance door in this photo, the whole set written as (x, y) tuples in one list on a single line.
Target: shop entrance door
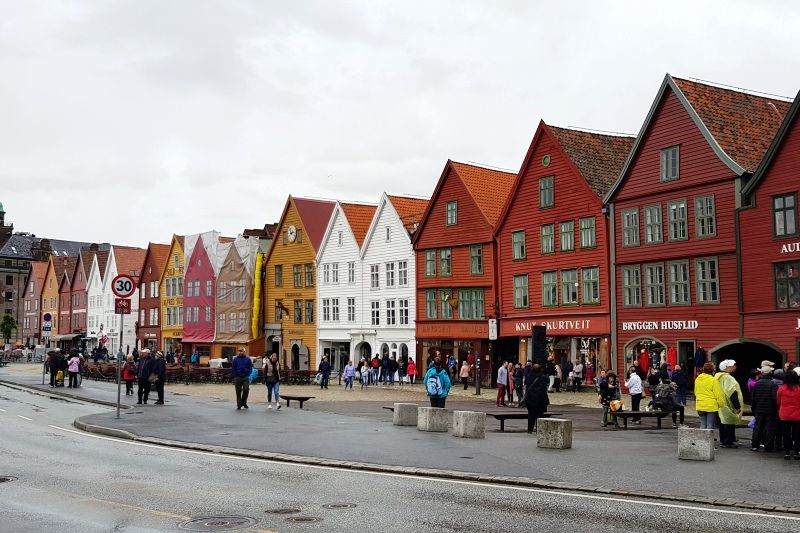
[(686, 355)]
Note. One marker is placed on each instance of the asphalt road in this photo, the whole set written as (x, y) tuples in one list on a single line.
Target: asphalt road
[(70, 481)]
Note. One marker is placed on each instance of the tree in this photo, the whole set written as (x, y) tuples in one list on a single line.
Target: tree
[(7, 326)]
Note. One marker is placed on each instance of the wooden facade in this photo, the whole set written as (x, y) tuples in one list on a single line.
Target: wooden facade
[(148, 331), (171, 289)]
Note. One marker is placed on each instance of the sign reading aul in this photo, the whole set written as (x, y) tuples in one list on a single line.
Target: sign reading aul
[(790, 247), (662, 325)]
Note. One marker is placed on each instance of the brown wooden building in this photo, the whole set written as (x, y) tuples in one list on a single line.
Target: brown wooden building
[(148, 326)]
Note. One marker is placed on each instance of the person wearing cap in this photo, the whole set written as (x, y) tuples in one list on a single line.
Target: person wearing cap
[(765, 409), (160, 370), (730, 414), (144, 367), (241, 368), (708, 396)]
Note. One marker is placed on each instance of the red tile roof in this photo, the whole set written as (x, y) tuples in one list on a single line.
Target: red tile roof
[(86, 260), (159, 254), (315, 215), (598, 157), (743, 124), (488, 187), (102, 261), (129, 261), (65, 265), (37, 275), (360, 217), (409, 209)]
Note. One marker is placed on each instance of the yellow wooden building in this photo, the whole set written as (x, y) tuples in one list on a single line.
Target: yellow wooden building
[(290, 285), (171, 292)]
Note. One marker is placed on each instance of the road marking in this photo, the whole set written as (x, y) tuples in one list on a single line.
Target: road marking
[(26, 418), (450, 481), (3, 410)]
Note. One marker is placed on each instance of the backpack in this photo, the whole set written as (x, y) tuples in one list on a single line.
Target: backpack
[(665, 402), (434, 385), (194, 359)]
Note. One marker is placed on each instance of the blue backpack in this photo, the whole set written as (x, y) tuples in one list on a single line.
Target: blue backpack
[(434, 385)]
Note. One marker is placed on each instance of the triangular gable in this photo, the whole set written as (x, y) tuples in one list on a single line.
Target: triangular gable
[(409, 209), (156, 254), (315, 215), (359, 212), (175, 247)]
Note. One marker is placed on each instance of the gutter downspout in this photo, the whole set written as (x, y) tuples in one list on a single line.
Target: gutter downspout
[(612, 274)]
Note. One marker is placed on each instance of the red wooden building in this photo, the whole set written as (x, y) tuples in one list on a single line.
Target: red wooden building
[(673, 209), (78, 295), (552, 244), (148, 327), (65, 301), (200, 293), (455, 261), (769, 247)]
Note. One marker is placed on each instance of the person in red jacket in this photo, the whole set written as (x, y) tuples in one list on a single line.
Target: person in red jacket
[(788, 398), (129, 375)]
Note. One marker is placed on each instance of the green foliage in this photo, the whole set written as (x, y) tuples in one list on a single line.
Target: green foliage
[(7, 326)]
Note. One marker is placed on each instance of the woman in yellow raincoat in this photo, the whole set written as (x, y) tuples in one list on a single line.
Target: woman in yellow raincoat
[(731, 413)]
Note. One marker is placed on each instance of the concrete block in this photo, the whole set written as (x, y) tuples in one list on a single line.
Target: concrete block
[(432, 419), (405, 414), (696, 444), (554, 433), (469, 424)]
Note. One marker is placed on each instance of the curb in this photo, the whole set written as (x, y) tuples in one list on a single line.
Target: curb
[(436, 473), (53, 392)]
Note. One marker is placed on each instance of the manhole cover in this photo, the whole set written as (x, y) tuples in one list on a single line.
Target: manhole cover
[(3, 479), (304, 519), (283, 511), (339, 506), (217, 523)]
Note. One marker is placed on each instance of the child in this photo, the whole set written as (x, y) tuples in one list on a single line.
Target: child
[(364, 376)]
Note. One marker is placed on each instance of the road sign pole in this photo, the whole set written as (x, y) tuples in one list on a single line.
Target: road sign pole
[(119, 364)]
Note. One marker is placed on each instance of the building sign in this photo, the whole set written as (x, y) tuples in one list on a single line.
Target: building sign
[(568, 325), (662, 325), (453, 330), (790, 247)]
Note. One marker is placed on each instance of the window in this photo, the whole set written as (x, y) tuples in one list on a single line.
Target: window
[(679, 283), (470, 304), (196, 314), (233, 327), (374, 276), (402, 273), (326, 309), (208, 313), (176, 262), (309, 310), (391, 313), (631, 286), (221, 322), (196, 287), (444, 261), (547, 233), (153, 289), (430, 304), (652, 224), (670, 161), (452, 213), (310, 275), (447, 303), (376, 313), (222, 293), (242, 322), (326, 273), (297, 274), (278, 309), (430, 263), (784, 215), (521, 291), (567, 236), (704, 216), (676, 211), (298, 311), (351, 309), (209, 286), (549, 289), (546, 192), (403, 305), (476, 259), (390, 274), (705, 270), (630, 227), (278, 275), (591, 285), (340, 240), (351, 272), (335, 273), (787, 285), (388, 234), (335, 309), (569, 287), (588, 233), (654, 284), (154, 317), (518, 245)]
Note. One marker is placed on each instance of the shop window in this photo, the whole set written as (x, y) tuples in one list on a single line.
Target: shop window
[(652, 224), (670, 163), (521, 291), (654, 284), (787, 285), (676, 211), (705, 223), (679, 283), (631, 286), (630, 227), (707, 274), (784, 215)]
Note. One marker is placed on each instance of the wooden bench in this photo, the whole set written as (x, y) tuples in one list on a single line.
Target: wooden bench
[(658, 415), (300, 399), (502, 416)]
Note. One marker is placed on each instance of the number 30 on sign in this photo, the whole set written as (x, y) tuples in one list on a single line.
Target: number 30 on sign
[(123, 286)]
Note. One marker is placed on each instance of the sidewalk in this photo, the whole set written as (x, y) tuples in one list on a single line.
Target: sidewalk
[(361, 431)]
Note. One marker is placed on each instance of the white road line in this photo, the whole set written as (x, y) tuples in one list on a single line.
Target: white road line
[(26, 418), (3, 410), (450, 481)]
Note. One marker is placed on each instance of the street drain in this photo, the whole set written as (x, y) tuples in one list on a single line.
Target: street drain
[(304, 519), (3, 479), (466, 457), (339, 506), (217, 523), (283, 511)]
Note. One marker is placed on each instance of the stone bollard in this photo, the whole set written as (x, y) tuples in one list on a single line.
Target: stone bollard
[(469, 424), (696, 444), (432, 419), (405, 414), (554, 433)]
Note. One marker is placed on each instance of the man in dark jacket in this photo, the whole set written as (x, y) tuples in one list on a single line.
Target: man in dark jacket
[(385, 369), (160, 370), (325, 371), (765, 409), (241, 369), (54, 359), (143, 370), (536, 399)]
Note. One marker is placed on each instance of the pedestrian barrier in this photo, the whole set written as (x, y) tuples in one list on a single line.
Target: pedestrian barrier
[(695, 444), (555, 433), (432, 419), (405, 414), (469, 424)]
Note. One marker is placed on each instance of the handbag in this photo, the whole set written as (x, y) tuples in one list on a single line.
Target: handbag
[(153, 378), (318, 378)]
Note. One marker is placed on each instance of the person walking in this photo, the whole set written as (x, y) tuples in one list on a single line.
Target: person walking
[(763, 403), (74, 368), (325, 370), (634, 385), (464, 374), (365, 375), (788, 399), (681, 381), (160, 371), (559, 376), (730, 414), (240, 369), (411, 371), (608, 393), (708, 397), (437, 384), (550, 370), (129, 375), (518, 378), (375, 366), (385, 369), (272, 379), (502, 383), (577, 376), (54, 359), (143, 370), (393, 366), (536, 399), (349, 375)]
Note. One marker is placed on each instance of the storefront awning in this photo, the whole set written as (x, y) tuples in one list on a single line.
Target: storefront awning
[(68, 337)]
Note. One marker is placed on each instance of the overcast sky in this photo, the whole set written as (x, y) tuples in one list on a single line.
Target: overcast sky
[(128, 121)]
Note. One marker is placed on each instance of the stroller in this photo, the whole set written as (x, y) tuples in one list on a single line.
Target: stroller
[(59, 382)]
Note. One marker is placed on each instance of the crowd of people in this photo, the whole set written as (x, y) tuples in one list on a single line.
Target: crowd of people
[(386, 370)]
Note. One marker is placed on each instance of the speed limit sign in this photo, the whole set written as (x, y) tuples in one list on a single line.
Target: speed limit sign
[(123, 286)]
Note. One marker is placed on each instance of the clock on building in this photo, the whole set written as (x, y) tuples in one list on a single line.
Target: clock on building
[(291, 233)]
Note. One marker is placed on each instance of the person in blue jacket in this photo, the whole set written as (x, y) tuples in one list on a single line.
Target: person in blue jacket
[(437, 384), (325, 370), (241, 369)]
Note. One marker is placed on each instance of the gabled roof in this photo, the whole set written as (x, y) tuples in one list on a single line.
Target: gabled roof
[(37, 274), (738, 125), (86, 256), (488, 187), (158, 253), (64, 267), (410, 210), (102, 261), (359, 216), (129, 261), (774, 147), (315, 215)]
